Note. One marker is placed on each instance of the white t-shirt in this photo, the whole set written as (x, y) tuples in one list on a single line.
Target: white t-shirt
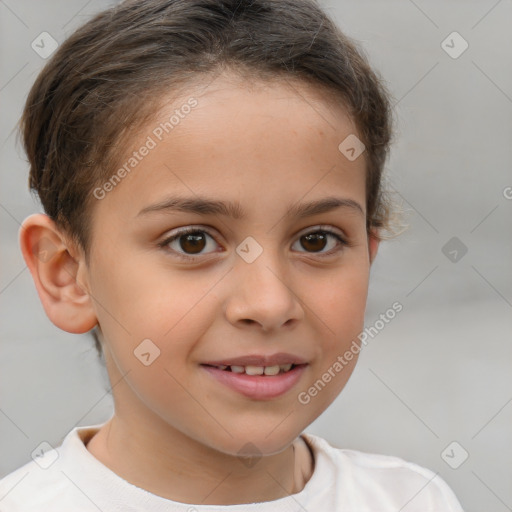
[(70, 479)]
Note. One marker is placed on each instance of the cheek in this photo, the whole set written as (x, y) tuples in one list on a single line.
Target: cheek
[(339, 306), (152, 323), (339, 301), (139, 300)]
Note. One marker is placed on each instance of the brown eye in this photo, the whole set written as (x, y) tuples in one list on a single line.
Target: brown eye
[(317, 241), (314, 241), (193, 243), (189, 243)]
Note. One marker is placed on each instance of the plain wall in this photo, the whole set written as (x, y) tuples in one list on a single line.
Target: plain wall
[(440, 371)]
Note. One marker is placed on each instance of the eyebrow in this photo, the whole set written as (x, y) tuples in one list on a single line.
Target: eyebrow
[(204, 206)]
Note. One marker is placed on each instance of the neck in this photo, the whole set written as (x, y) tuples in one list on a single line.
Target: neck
[(178, 468)]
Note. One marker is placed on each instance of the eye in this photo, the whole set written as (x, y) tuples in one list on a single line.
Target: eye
[(191, 241), (316, 241)]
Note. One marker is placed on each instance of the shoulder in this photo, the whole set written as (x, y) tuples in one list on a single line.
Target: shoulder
[(32, 485), (46, 483), (374, 478)]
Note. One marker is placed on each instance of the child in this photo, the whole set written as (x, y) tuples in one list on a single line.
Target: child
[(211, 173)]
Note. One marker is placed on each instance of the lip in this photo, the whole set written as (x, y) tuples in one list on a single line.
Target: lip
[(258, 387), (259, 360)]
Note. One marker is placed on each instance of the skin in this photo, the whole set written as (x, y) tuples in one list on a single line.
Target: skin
[(176, 431)]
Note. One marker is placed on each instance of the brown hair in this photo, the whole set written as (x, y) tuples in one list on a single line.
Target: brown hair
[(107, 79)]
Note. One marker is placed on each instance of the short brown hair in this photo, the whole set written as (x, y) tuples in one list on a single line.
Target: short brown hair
[(104, 81)]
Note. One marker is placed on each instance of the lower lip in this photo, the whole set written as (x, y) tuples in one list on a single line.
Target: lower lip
[(258, 387)]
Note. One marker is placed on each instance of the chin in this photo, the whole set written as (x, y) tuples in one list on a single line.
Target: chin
[(258, 443)]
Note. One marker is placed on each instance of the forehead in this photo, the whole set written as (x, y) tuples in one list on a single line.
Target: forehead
[(261, 143)]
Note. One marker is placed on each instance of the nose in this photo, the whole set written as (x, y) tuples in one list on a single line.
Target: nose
[(262, 294)]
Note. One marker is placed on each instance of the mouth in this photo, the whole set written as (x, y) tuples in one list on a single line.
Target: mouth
[(268, 371), (257, 382), (254, 362)]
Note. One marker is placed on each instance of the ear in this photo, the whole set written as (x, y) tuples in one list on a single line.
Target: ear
[(59, 272), (373, 245)]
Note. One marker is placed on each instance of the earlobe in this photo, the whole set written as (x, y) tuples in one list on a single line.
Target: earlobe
[(373, 245), (58, 271)]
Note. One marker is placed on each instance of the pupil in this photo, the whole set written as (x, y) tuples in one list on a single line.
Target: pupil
[(196, 242), (311, 239)]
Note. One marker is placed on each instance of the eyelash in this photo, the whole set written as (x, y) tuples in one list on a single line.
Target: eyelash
[(185, 231)]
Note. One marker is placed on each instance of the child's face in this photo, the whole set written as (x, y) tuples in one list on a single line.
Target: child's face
[(267, 149)]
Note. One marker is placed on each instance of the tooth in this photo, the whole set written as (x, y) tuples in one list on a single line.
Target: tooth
[(286, 367), (237, 369), (254, 370), (272, 370)]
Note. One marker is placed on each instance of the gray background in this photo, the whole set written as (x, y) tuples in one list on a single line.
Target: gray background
[(440, 371)]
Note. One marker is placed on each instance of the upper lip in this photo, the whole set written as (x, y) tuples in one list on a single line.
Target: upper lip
[(259, 360)]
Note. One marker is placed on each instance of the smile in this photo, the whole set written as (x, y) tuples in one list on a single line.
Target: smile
[(258, 382), (256, 370)]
